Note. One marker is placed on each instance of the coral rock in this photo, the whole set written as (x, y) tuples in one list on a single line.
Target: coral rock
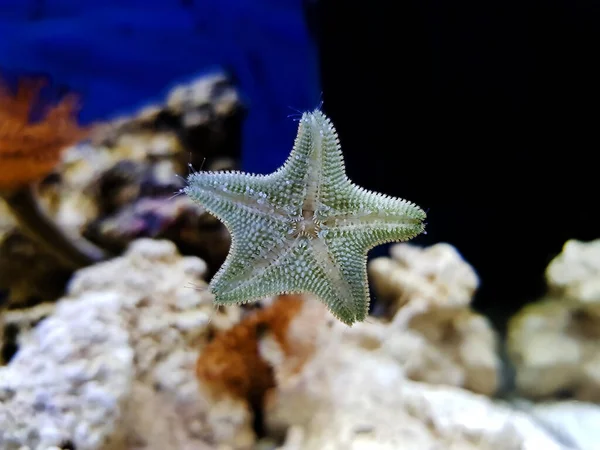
[(69, 384), (555, 342), (555, 347), (576, 422), (163, 321), (353, 394), (438, 274), (575, 273), (439, 339)]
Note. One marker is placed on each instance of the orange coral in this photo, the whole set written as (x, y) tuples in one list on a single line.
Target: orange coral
[(231, 362), (29, 151)]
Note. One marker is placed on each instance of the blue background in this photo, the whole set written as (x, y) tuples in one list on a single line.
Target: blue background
[(120, 55)]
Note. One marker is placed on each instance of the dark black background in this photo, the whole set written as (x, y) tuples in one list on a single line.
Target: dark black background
[(484, 113)]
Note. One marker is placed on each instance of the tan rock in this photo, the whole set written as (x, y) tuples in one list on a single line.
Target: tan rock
[(353, 394), (438, 274), (161, 315), (575, 272), (555, 342), (70, 383), (555, 350), (437, 337)]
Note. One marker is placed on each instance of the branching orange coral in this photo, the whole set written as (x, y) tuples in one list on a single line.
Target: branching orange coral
[(30, 150), (231, 362)]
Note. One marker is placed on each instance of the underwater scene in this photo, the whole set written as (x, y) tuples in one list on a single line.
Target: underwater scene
[(298, 225)]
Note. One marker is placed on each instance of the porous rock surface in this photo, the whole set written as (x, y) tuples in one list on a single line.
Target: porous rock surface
[(133, 327), (427, 294), (69, 385), (354, 394), (118, 356), (554, 343)]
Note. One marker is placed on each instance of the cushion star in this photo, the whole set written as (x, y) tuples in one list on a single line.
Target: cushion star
[(305, 228)]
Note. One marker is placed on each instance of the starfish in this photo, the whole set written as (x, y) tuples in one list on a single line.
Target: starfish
[(305, 228)]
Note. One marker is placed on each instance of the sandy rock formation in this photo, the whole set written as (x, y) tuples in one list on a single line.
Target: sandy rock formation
[(555, 342), (353, 394), (438, 338), (69, 385), (154, 303)]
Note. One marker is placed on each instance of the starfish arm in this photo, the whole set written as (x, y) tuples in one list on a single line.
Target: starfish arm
[(219, 192), (344, 261), (377, 217), (335, 272), (296, 269), (258, 228), (281, 273), (347, 247), (316, 163)]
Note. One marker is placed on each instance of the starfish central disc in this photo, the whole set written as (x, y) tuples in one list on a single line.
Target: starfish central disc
[(307, 227)]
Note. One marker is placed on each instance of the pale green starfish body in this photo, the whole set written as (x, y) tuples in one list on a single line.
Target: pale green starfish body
[(306, 228)]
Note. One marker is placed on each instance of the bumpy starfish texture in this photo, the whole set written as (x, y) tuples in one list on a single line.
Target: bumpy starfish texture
[(305, 228)]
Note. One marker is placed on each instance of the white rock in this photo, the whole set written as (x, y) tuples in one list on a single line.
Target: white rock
[(428, 292), (115, 362), (576, 270), (351, 396), (35, 414), (576, 422), (555, 342)]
